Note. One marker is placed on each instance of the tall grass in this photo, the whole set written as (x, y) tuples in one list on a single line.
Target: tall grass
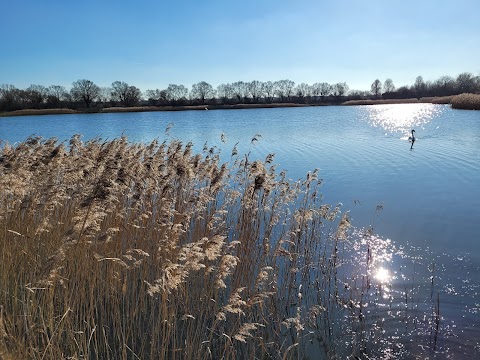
[(199, 107), (432, 100), (466, 101), (437, 99), (381, 101), (25, 112), (112, 250)]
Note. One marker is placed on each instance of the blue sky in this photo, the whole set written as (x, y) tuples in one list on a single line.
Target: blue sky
[(151, 44)]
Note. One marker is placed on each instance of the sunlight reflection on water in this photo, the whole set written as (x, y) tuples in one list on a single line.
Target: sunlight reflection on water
[(382, 274), (395, 118), (403, 287)]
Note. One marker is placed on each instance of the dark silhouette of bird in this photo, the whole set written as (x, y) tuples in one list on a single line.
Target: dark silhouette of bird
[(412, 138)]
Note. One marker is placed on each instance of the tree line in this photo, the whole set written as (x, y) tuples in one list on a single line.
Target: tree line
[(86, 94)]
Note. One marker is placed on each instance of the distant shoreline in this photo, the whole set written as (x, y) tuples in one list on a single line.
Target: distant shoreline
[(204, 107), (96, 110), (27, 112)]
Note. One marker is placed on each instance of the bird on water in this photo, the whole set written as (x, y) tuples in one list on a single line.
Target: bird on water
[(412, 138)]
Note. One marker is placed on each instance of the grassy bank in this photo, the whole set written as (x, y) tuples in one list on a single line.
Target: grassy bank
[(26, 112), (437, 100), (118, 109), (199, 107), (432, 100), (112, 250), (466, 101)]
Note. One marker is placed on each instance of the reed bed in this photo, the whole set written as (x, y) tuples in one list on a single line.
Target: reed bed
[(199, 107), (113, 250), (432, 100), (381, 101), (25, 112), (437, 99), (466, 102), (118, 109)]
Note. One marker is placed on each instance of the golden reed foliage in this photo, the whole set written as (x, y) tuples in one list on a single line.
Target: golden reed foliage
[(26, 112), (113, 250), (198, 107), (381, 101), (466, 101), (432, 100), (120, 109), (437, 99)]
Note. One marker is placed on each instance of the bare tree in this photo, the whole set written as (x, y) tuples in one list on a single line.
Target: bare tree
[(285, 89), (315, 89), (340, 89), (376, 88), (104, 95), (466, 83), (176, 92), (125, 94), (254, 89), (163, 96), (202, 91), (325, 89), (239, 89), (268, 89), (303, 90), (157, 97), (9, 97), (56, 94), (5, 90), (388, 86), (444, 85), (35, 95), (419, 86), (119, 91), (225, 92), (153, 95), (85, 90)]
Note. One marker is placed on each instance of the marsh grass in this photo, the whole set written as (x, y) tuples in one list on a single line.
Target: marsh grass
[(381, 101), (466, 101), (432, 100), (113, 250), (437, 99), (199, 107), (117, 109), (38, 112)]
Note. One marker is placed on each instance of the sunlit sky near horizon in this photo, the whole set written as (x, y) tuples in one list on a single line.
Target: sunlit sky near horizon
[(151, 44)]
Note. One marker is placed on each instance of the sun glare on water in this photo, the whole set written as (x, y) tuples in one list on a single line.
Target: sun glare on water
[(401, 117), (382, 275)]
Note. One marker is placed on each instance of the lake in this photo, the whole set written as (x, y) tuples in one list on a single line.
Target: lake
[(425, 201)]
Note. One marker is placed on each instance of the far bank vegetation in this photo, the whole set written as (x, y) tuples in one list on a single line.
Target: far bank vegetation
[(431, 100), (86, 96)]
